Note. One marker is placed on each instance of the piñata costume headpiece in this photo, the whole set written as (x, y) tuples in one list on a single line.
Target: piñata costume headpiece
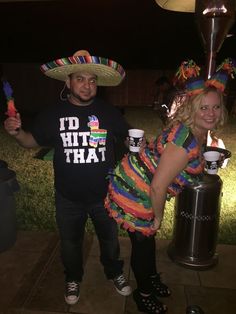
[(108, 72), (189, 74), (225, 70)]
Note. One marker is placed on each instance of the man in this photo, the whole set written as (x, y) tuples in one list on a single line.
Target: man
[(81, 129)]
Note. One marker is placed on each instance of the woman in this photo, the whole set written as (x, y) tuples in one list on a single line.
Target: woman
[(141, 183)]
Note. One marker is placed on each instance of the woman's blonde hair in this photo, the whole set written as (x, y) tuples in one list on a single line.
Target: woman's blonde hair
[(186, 112)]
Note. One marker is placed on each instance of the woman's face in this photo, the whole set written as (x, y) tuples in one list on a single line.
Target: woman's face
[(209, 112)]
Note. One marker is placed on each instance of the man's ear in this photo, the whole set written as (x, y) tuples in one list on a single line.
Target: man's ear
[(68, 82)]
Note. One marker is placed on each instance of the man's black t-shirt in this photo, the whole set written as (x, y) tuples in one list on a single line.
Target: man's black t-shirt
[(83, 141)]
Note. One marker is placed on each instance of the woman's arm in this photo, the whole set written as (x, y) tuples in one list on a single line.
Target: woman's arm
[(173, 160)]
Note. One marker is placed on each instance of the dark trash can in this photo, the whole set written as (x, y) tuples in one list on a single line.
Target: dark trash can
[(8, 225), (3, 164), (196, 224)]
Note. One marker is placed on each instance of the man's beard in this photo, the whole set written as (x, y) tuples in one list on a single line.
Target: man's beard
[(81, 100)]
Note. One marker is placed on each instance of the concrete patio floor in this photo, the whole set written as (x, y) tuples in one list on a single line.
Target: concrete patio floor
[(32, 281)]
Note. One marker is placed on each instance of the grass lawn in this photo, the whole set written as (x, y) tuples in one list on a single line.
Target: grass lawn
[(35, 201)]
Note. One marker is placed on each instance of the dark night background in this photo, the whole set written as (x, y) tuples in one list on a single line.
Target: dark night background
[(138, 34), (135, 33)]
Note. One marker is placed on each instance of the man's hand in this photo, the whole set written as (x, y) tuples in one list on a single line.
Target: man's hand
[(13, 125)]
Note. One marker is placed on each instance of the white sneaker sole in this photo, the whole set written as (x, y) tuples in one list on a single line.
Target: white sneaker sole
[(124, 293), (73, 301)]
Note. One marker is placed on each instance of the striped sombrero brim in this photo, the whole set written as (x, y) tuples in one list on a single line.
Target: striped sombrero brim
[(108, 72)]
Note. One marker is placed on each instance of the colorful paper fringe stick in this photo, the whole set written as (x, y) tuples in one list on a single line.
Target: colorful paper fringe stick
[(11, 109)]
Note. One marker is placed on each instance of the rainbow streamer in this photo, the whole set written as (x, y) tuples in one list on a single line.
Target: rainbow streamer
[(11, 109)]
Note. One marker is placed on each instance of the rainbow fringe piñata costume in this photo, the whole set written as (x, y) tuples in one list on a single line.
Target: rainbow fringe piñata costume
[(128, 200)]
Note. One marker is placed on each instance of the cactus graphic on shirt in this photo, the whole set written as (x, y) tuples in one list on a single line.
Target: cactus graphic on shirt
[(96, 135)]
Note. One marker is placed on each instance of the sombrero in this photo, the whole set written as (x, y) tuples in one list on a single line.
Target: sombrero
[(108, 72), (183, 5), (177, 5)]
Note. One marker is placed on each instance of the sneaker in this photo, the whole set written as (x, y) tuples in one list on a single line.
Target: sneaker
[(72, 292), (121, 285)]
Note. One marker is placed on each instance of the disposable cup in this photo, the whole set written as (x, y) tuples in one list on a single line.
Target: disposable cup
[(135, 139), (211, 161)]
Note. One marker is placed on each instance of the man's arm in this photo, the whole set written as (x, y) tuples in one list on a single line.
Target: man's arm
[(13, 127)]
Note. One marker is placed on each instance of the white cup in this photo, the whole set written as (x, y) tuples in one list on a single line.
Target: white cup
[(135, 139), (211, 161)]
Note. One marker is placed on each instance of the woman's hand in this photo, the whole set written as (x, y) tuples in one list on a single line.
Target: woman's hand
[(156, 224), (143, 144)]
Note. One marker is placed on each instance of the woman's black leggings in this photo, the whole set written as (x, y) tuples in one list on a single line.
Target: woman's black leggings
[(143, 260)]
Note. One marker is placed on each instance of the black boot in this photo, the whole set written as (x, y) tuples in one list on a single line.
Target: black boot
[(148, 304), (159, 288)]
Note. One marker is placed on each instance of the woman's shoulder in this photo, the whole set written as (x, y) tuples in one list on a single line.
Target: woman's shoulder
[(180, 126), (178, 130), (181, 135)]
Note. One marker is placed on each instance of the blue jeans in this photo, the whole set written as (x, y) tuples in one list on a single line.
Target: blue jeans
[(71, 219)]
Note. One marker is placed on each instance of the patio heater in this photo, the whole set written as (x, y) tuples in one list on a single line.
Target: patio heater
[(214, 19)]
